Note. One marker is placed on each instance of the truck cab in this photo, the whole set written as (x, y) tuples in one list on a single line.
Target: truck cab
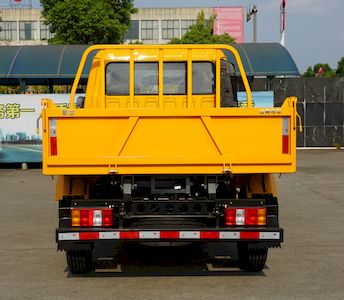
[(135, 83)]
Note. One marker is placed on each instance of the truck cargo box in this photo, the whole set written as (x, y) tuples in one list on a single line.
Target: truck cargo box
[(169, 141)]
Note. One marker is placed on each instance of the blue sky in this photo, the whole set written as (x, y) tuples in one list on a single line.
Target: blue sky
[(314, 28)]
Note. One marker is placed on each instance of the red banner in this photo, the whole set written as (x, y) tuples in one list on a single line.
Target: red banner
[(283, 4), (230, 20)]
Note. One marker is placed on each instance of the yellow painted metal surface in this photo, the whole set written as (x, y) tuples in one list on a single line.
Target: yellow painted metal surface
[(261, 184), (76, 186), (164, 134), (178, 141)]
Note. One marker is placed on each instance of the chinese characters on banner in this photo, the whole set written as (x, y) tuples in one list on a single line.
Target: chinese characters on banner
[(230, 20), (13, 111)]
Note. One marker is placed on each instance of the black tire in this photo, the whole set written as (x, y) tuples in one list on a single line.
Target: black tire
[(79, 262), (252, 259)]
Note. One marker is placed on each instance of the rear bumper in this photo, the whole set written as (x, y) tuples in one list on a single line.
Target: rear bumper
[(271, 237)]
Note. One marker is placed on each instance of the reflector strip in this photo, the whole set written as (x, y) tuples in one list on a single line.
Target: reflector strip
[(189, 235), (285, 145), (53, 146), (128, 235), (109, 235), (169, 234), (246, 235), (149, 235), (89, 235), (176, 235), (210, 235), (269, 235), (69, 236), (230, 235), (285, 135), (52, 127)]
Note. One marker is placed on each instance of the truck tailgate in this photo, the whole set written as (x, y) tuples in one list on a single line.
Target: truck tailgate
[(162, 141)]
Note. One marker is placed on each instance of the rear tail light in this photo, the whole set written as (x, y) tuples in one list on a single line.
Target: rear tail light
[(245, 216), (251, 216), (240, 217), (230, 216), (86, 216), (107, 217), (53, 137), (90, 217), (261, 216), (75, 217), (285, 136), (53, 146), (97, 217)]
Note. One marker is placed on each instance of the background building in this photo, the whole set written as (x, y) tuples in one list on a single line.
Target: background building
[(25, 26)]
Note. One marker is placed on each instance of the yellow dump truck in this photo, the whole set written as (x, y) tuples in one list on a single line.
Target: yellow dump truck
[(158, 150)]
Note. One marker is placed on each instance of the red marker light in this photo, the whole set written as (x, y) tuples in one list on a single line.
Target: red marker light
[(285, 135), (53, 138)]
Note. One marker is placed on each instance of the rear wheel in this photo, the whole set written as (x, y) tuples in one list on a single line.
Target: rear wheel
[(79, 262), (252, 259)]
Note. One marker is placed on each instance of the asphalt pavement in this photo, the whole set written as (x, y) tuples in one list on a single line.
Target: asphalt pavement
[(310, 264)]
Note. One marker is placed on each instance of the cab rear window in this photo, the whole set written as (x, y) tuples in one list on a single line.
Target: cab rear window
[(146, 78), (175, 78), (117, 79), (203, 78)]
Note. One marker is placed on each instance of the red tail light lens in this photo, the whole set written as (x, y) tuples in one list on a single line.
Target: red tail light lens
[(53, 137), (245, 216), (285, 136), (285, 144), (91, 217), (86, 217), (230, 216), (53, 146), (251, 216), (107, 217)]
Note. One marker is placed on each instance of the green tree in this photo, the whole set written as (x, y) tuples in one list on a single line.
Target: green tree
[(323, 70), (88, 21), (309, 72), (202, 33), (340, 68), (320, 70)]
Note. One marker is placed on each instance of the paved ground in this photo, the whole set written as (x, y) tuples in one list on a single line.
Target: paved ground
[(310, 264)]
